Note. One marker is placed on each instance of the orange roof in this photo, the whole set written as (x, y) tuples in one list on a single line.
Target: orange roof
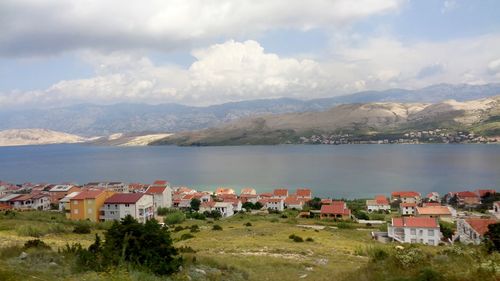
[(484, 192), (433, 210), (464, 194), (337, 208), (326, 201), (124, 198), (267, 194), (381, 200), (303, 192), (408, 204), (415, 222), (160, 182), (428, 204), (88, 194), (156, 189), (280, 192), (223, 190), (248, 190), (293, 200), (480, 225), (405, 194)]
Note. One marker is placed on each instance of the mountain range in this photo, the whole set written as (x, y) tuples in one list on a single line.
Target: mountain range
[(103, 120)]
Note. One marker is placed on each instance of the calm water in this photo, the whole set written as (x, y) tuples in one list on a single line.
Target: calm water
[(334, 171)]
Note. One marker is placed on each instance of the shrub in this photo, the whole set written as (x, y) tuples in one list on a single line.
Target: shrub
[(248, 224), (377, 254), (186, 249), (186, 236), (195, 228), (217, 227), (284, 216), (196, 216), (309, 239), (174, 218), (296, 238), (178, 228), (344, 225), (36, 243), (82, 229), (409, 257), (29, 230)]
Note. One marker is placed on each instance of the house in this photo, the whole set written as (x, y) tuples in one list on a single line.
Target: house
[(433, 197), (406, 196), (407, 208), (223, 190), (118, 187), (248, 191), (326, 201), (87, 204), (496, 209), (203, 196), (139, 205), (64, 203), (249, 198), (433, 212), (225, 208), (276, 204), (485, 192), (31, 202), (162, 196), (237, 206), (58, 192), (303, 193), (280, 193), (380, 203), (464, 198), (471, 231), (423, 230), (185, 202), (337, 210), (265, 195), (294, 202)]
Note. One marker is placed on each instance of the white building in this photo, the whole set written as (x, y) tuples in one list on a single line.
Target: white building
[(471, 231), (276, 204), (119, 205), (380, 203), (162, 196), (226, 209), (407, 208), (31, 201), (421, 230)]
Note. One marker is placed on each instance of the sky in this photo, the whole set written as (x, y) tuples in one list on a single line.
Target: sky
[(202, 52)]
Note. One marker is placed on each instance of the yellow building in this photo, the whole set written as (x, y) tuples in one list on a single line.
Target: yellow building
[(87, 204)]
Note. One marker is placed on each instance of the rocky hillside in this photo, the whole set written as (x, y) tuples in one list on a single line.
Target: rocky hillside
[(480, 116), (36, 137)]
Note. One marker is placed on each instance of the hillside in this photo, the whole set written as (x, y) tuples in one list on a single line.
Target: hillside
[(36, 137), (480, 116), (101, 120)]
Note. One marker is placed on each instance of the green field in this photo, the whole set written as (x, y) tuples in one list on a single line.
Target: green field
[(249, 247)]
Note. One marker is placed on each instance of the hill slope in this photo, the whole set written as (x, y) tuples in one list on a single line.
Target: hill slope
[(36, 137)]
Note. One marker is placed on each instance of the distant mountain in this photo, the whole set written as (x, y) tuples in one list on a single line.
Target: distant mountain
[(36, 137), (359, 119), (102, 120)]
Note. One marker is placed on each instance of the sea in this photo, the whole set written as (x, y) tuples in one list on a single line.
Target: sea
[(343, 171)]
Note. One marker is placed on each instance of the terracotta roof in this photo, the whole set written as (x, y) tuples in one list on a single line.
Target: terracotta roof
[(480, 225), (280, 192), (160, 182), (248, 190), (209, 204), (88, 194), (270, 200), (223, 190), (337, 208), (405, 194), (227, 196), (428, 204), (408, 204), (326, 201), (156, 189), (267, 194), (381, 200), (293, 200), (415, 222), (303, 192), (483, 192), (464, 194), (433, 210), (124, 198)]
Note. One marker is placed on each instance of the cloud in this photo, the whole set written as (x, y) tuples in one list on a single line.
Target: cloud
[(45, 27), (234, 71)]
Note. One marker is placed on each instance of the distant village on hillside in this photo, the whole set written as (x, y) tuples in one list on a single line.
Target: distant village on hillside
[(414, 218)]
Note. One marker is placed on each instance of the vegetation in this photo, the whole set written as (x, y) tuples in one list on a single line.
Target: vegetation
[(492, 237), (195, 204)]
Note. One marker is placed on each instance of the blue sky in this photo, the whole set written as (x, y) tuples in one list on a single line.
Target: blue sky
[(206, 52)]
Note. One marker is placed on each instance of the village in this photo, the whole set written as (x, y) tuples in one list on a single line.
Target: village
[(409, 216)]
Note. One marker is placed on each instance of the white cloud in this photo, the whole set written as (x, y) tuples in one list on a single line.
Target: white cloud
[(38, 27), (234, 71)]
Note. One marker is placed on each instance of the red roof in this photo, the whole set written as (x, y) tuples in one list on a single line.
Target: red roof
[(408, 204), (160, 182), (88, 194), (405, 194), (303, 192), (337, 208), (293, 200), (156, 189), (480, 225), (124, 198), (464, 194), (483, 192), (267, 194), (415, 222), (381, 200), (280, 192), (326, 201), (428, 204)]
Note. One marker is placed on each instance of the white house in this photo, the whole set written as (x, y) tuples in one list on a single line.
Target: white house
[(276, 204), (162, 196), (421, 230), (380, 203), (293, 202), (407, 208), (471, 231), (119, 205), (225, 208), (31, 201)]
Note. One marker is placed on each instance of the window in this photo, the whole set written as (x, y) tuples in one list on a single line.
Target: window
[(430, 232), (127, 205), (421, 232), (75, 202), (431, 241), (413, 231)]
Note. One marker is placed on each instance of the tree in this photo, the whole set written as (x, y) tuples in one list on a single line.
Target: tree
[(258, 206), (195, 204), (492, 238), (446, 229), (248, 206), (315, 203)]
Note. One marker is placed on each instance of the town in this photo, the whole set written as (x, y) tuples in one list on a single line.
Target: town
[(410, 137), (410, 217)]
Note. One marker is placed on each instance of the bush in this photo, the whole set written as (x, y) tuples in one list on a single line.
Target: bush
[(344, 225), (178, 228), (36, 243), (409, 257), (29, 230), (309, 239), (296, 238), (195, 228), (196, 216), (248, 224), (82, 229), (174, 217), (186, 236), (217, 227)]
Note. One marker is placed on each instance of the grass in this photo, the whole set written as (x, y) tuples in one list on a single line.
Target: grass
[(259, 251)]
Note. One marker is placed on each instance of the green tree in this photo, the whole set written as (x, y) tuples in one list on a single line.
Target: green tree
[(195, 204), (248, 206), (492, 238), (315, 203), (258, 206)]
